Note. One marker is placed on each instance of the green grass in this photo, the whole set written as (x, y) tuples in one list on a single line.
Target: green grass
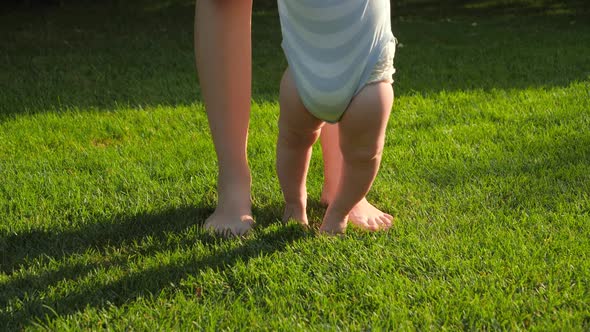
[(107, 172)]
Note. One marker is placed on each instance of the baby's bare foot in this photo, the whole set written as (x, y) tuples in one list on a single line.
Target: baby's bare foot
[(333, 224), (295, 212), (366, 216)]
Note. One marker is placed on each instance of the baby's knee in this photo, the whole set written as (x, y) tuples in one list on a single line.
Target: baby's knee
[(292, 137), (362, 153)]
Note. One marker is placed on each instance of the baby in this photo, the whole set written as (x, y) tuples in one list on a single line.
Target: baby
[(340, 56)]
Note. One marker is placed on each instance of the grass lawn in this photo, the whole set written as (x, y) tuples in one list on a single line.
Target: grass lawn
[(107, 173)]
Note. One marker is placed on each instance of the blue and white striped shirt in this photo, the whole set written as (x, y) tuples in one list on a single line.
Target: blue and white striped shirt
[(332, 47)]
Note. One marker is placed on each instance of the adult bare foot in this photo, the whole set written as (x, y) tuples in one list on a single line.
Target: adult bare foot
[(229, 222), (295, 212), (233, 215)]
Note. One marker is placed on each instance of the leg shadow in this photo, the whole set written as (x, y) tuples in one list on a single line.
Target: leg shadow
[(21, 304)]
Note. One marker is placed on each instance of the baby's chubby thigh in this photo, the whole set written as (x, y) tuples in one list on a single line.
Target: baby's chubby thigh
[(297, 126), (363, 125)]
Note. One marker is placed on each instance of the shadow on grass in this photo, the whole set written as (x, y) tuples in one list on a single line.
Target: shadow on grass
[(447, 8), (108, 246), (24, 248), (57, 58), (69, 57)]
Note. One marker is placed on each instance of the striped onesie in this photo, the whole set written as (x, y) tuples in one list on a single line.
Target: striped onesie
[(333, 48)]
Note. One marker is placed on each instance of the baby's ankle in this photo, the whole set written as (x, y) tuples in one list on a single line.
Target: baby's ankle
[(333, 227), (295, 211), (334, 222)]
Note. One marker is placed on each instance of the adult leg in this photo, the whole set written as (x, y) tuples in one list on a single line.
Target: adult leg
[(362, 136), (298, 130), (363, 214), (223, 56)]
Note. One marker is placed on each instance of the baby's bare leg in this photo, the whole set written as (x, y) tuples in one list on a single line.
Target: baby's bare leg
[(332, 156), (364, 214), (298, 130), (362, 136)]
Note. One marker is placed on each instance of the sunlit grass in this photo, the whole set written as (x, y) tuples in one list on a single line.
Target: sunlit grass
[(107, 173)]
